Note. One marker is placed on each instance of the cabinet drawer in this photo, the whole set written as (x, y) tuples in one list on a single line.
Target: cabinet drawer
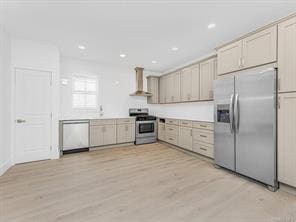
[(203, 136), (125, 121), (172, 121), (171, 129), (187, 123), (173, 139), (204, 149), (96, 122), (203, 125)]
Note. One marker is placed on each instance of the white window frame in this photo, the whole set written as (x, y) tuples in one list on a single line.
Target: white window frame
[(84, 92)]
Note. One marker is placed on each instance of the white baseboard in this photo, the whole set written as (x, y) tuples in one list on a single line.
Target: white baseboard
[(4, 167)]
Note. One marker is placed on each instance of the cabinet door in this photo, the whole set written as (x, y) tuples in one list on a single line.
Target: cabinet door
[(130, 132), (162, 89), (161, 131), (194, 96), (153, 88), (185, 138), (109, 134), (169, 81), (186, 78), (260, 48), (287, 138), (206, 79), (176, 91), (229, 57), (287, 55), (121, 133), (96, 136)]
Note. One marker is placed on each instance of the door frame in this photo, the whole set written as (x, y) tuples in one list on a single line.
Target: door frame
[(13, 111)]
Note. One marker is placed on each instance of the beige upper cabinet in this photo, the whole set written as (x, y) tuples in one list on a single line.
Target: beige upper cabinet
[(229, 57), (287, 55), (207, 76), (185, 84), (153, 88), (176, 84), (173, 84), (256, 49), (190, 83), (287, 138), (260, 48), (162, 89), (169, 81), (185, 137)]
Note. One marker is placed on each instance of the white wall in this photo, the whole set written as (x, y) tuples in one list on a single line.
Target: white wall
[(202, 111), (5, 98), (113, 97), (39, 56)]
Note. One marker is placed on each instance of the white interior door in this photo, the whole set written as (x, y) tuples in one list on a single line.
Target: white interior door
[(33, 115)]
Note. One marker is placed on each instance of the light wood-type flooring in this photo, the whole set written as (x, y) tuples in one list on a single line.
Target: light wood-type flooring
[(144, 183)]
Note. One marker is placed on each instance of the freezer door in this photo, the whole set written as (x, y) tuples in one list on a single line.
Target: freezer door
[(255, 123), (224, 134)]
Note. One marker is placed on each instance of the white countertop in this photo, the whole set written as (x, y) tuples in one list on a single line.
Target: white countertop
[(83, 117)]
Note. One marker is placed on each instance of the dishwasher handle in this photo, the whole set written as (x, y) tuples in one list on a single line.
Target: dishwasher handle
[(75, 121)]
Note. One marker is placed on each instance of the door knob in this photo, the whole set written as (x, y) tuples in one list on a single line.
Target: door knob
[(20, 121)]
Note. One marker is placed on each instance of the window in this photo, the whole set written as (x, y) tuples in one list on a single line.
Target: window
[(85, 92)]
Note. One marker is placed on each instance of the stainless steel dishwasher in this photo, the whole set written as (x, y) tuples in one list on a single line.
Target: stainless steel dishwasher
[(74, 135)]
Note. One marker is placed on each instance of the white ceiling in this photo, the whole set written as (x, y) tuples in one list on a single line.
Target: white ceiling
[(143, 30)]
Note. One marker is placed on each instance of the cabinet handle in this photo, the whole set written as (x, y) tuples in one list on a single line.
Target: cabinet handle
[(204, 149), (170, 139), (279, 102), (239, 63), (279, 84), (202, 125), (203, 136), (243, 62), (191, 132), (211, 94)]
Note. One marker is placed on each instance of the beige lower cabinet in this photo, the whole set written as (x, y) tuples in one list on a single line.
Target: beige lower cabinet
[(185, 137), (287, 138), (96, 136), (102, 135), (191, 135), (161, 131), (203, 148), (125, 133), (172, 133)]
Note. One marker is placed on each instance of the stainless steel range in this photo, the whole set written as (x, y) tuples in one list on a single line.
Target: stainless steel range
[(146, 129)]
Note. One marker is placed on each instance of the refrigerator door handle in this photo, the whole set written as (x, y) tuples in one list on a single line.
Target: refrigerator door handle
[(236, 113), (231, 113)]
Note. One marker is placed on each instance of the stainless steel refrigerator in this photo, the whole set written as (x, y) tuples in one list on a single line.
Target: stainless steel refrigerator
[(245, 124)]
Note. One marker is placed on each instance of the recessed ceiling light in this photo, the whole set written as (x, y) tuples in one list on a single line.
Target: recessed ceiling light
[(153, 61), (175, 48), (82, 47), (211, 25), (122, 55)]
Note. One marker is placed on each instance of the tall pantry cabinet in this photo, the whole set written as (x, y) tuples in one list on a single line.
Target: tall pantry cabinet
[(287, 102)]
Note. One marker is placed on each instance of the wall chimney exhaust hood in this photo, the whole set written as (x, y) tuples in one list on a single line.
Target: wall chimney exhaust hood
[(139, 83)]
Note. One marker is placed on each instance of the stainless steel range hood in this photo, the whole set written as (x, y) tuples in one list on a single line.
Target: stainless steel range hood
[(139, 83)]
